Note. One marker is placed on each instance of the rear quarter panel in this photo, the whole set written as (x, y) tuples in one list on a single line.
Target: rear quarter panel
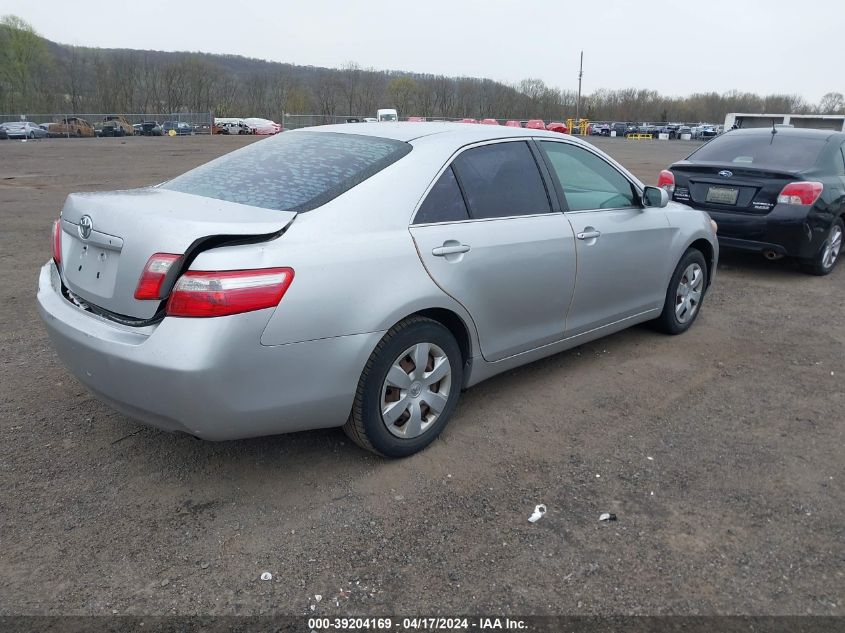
[(356, 268)]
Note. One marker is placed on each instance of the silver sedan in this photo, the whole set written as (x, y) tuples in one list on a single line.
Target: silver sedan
[(361, 276)]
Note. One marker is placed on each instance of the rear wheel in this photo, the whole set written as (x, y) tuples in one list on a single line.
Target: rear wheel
[(408, 389), (828, 255), (684, 294)]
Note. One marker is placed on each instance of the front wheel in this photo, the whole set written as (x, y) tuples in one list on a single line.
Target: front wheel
[(825, 260), (408, 389), (684, 294)]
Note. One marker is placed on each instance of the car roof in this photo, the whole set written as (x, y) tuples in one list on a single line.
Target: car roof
[(461, 133), (806, 133)]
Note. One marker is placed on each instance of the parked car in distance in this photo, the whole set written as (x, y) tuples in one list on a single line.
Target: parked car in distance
[(535, 124), (180, 128), (621, 129), (416, 119), (231, 304), (234, 128), (468, 120), (24, 130), (387, 115), (684, 129), (779, 193), (72, 126), (557, 126), (116, 125), (707, 131), (489, 122), (599, 129), (262, 127), (513, 123), (150, 128)]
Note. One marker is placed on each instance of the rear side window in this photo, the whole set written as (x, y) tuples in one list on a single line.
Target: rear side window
[(293, 171), (444, 203), (782, 150), (501, 180)]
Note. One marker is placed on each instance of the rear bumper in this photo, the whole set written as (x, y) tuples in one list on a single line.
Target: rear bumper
[(788, 230), (210, 378)]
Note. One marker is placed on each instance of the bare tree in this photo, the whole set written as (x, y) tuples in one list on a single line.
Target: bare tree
[(832, 103)]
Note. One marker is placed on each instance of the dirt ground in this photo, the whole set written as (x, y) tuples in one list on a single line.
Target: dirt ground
[(720, 452)]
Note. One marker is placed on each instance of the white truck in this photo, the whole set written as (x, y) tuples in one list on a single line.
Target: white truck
[(387, 114)]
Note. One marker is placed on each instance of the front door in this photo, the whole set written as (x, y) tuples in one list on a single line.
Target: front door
[(622, 247)]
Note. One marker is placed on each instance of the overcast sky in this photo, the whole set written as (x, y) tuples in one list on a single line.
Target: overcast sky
[(674, 47)]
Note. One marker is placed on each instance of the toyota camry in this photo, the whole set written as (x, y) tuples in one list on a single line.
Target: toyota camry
[(361, 276)]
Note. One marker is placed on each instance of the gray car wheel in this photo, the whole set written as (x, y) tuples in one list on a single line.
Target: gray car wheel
[(829, 253), (685, 293), (408, 389)]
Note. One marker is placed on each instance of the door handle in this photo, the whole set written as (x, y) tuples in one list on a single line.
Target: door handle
[(451, 249), (588, 235)]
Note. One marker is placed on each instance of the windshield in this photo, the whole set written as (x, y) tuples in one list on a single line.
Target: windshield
[(774, 151), (388, 117), (293, 171)]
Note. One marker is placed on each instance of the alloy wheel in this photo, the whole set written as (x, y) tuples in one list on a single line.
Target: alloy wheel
[(416, 390), (832, 247)]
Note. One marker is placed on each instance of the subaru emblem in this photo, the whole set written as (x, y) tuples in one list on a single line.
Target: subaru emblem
[(86, 225), (725, 173)]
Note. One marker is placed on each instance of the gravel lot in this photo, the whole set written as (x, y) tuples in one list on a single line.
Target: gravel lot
[(720, 451)]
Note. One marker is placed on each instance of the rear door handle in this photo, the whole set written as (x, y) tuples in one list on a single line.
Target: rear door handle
[(588, 235), (451, 249)]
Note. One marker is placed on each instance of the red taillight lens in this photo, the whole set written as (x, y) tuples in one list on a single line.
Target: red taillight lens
[(155, 272), (57, 241), (800, 193), (211, 294), (666, 181)]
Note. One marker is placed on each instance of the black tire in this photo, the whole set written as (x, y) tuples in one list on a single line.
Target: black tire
[(366, 426), (820, 264), (669, 321)]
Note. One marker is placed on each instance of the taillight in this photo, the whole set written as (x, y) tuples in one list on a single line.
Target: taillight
[(57, 241), (155, 272), (212, 294), (800, 193), (666, 181)]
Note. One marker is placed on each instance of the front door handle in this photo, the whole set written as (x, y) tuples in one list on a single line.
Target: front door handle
[(450, 248), (588, 235)]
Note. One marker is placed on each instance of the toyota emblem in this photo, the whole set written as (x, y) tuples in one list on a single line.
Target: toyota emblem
[(86, 225)]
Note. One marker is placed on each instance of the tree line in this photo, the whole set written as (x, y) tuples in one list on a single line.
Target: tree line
[(40, 76)]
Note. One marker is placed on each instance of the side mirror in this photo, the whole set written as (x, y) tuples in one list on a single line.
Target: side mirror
[(655, 197)]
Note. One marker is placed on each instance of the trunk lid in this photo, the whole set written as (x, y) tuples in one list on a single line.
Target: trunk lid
[(729, 188), (108, 237)]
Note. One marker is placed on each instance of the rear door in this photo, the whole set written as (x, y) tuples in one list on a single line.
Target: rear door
[(622, 248), (492, 237)]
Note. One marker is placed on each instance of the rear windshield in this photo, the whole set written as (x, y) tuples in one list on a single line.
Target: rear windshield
[(777, 151), (293, 171)]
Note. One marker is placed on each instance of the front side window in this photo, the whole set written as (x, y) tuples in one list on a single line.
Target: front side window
[(444, 203), (588, 182), (294, 171), (501, 180)]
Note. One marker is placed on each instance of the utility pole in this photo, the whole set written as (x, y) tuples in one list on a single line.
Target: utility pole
[(580, 75)]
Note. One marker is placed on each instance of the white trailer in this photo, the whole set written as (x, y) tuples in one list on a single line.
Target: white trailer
[(834, 122)]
